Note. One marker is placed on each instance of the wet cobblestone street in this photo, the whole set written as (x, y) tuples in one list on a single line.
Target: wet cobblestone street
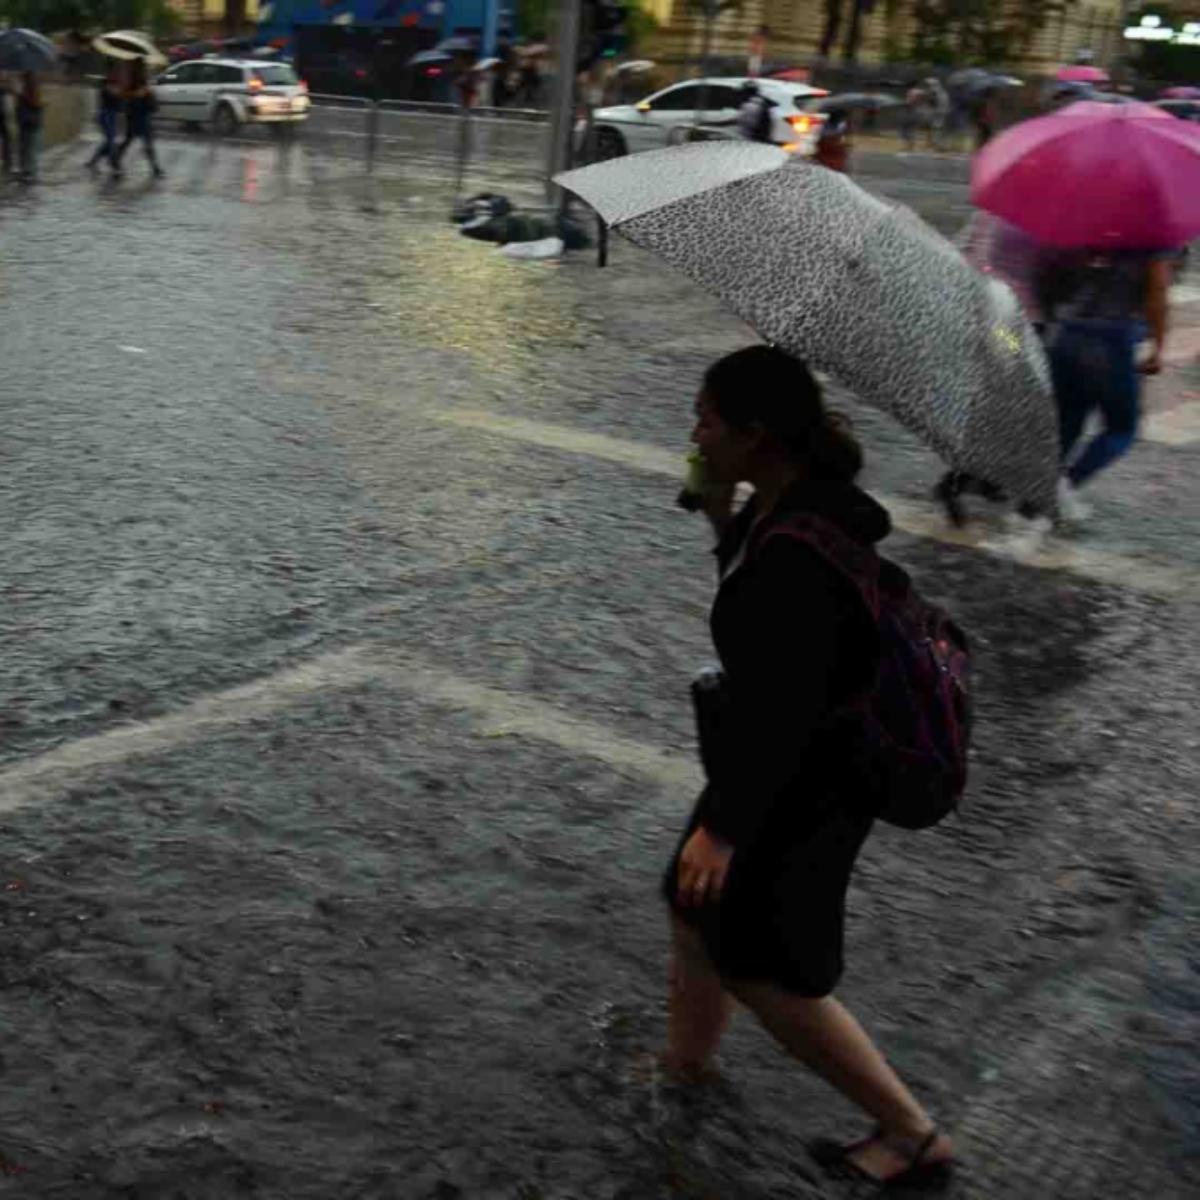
[(346, 620)]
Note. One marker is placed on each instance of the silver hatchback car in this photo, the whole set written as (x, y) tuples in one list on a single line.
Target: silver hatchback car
[(227, 93)]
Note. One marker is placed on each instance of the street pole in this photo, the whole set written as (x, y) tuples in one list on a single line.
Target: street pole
[(491, 28), (487, 49), (562, 118)]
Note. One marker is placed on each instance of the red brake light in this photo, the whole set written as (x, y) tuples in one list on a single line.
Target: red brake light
[(800, 123), (302, 85), (256, 84)]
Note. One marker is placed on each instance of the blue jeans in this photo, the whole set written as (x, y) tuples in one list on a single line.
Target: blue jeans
[(28, 137), (107, 121), (1094, 367)]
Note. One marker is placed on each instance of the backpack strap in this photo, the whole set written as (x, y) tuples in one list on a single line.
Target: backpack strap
[(857, 564)]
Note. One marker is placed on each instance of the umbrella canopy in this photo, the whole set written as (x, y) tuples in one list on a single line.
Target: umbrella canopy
[(26, 50), (130, 44), (1081, 73), (851, 100), (636, 66), (1182, 93), (977, 81), (456, 45), (430, 58), (859, 288), (970, 79), (1096, 176)]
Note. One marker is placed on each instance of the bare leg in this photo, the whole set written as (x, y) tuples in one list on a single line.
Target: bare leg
[(824, 1036), (698, 1005)]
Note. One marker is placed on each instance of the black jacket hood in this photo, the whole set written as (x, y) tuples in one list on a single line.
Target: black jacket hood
[(842, 504)]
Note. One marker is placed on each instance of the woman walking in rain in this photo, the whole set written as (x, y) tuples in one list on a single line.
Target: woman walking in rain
[(139, 118), (30, 106), (111, 102), (757, 887)]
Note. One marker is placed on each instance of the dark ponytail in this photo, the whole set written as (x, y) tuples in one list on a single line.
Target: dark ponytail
[(763, 385)]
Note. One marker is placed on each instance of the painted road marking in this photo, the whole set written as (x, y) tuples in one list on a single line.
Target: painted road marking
[(1178, 426), (497, 713), (919, 519), (1185, 293)]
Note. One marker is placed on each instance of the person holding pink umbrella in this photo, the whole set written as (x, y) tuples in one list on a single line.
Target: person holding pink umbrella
[(1113, 192)]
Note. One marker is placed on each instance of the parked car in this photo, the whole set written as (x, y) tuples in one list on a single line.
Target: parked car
[(713, 104), (227, 93)]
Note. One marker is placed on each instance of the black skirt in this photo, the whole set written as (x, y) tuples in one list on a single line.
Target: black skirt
[(781, 915)]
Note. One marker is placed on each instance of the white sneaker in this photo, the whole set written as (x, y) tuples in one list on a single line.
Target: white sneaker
[(1026, 535), (1072, 507)]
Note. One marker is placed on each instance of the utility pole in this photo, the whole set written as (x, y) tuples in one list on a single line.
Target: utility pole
[(491, 28), (562, 117)]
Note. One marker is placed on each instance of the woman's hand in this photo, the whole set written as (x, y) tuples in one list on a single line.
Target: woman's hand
[(703, 865)]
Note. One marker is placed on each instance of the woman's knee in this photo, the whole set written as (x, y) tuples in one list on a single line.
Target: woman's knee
[(767, 1000)]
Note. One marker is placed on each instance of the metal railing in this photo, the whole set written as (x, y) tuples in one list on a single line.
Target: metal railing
[(434, 108)]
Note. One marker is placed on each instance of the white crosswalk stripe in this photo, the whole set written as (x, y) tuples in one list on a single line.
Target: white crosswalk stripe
[(495, 713), (912, 517)]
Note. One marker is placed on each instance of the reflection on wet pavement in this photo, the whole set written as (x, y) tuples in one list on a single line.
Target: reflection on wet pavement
[(355, 546)]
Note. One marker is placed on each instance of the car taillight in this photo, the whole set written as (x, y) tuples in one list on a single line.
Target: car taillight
[(256, 84), (800, 122), (302, 85)]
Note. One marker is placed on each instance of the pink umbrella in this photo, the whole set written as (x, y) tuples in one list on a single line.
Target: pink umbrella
[(1182, 93), (1117, 176), (1082, 74)]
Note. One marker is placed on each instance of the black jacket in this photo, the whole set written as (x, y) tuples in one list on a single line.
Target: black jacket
[(797, 644)]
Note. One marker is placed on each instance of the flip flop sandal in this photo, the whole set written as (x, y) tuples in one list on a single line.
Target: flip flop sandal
[(834, 1159)]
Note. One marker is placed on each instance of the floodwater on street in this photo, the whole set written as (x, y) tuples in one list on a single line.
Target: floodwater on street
[(344, 729)]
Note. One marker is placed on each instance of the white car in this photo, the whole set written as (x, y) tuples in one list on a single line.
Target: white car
[(662, 119), (228, 93)]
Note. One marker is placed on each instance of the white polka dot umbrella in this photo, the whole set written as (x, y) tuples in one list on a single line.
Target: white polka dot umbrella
[(859, 288)]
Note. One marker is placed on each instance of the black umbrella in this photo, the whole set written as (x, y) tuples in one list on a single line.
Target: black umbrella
[(25, 50), (976, 81)]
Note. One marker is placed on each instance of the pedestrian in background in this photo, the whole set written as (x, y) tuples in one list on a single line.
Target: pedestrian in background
[(110, 102), (983, 118), (941, 125), (916, 115), (757, 887), (530, 81), (6, 145), (30, 106), (833, 143), (1099, 308), (754, 114), (139, 118)]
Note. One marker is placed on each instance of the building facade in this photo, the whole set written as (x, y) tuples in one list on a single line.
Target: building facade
[(795, 27)]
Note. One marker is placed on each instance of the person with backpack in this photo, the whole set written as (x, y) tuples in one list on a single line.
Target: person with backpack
[(831, 668), (754, 114)]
